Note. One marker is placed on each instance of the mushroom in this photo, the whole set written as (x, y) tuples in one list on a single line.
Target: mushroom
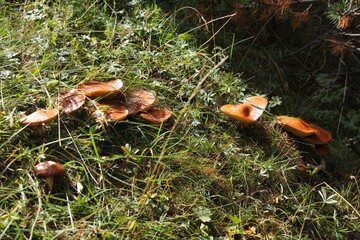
[(72, 100), (40, 116), (117, 84), (109, 111), (296, 126), (323, 150), (321, 166), (49, 169), (248, 111), (319, 137), (156, 115), (139, 101), (257, 101), (106, 90)]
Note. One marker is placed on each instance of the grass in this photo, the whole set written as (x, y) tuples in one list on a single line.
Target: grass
[(198, 176)]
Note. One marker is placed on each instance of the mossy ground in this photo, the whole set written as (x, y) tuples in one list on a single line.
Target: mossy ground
[(198, 176)]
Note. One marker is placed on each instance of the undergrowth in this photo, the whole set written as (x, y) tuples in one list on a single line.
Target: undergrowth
[(198, 176)]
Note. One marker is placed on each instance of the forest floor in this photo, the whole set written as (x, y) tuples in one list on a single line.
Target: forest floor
[(198, 175)]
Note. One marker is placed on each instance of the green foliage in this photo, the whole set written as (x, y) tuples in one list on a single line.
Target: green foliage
[(325, 103), (335, 8)]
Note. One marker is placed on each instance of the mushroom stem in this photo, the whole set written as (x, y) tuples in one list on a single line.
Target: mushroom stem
[(245, 124), (321, 166), (50, 182)]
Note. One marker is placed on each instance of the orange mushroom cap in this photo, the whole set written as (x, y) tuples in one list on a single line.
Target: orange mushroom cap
[(39, 117), (139, 101), (248, 111), (243, 112), (106, 90), (320, 136), (156, 115), (296, 126), (110, 111), (72, 100), (257, 101), (49, 168)]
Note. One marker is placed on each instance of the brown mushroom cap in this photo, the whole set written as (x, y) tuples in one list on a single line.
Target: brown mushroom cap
[(39, 117), (296, 126), (243, 112), (117, 84), (320, 136), (139, 101), (49, 168), (110, 111), (156, 115), (72, 100), (106, 90)]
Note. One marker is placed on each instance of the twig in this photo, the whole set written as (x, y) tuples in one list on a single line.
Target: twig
[(350, 34), (253, 42), (69, 211), (212, 36)]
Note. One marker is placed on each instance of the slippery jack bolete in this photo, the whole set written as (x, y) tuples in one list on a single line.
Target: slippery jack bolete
[(49, 169), (246, 112), (39, 117), (156, 116), (319, 137), (109, 111), (139, 101), (323, 150), (296, 126), (104, 90), (310, 133), (71, 101)]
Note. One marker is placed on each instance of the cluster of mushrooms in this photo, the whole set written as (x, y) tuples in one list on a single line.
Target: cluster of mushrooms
[(253, 107), (100, 99), (103, 105)]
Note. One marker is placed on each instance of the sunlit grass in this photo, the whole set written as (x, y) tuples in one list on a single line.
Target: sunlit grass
[(197, 176)]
